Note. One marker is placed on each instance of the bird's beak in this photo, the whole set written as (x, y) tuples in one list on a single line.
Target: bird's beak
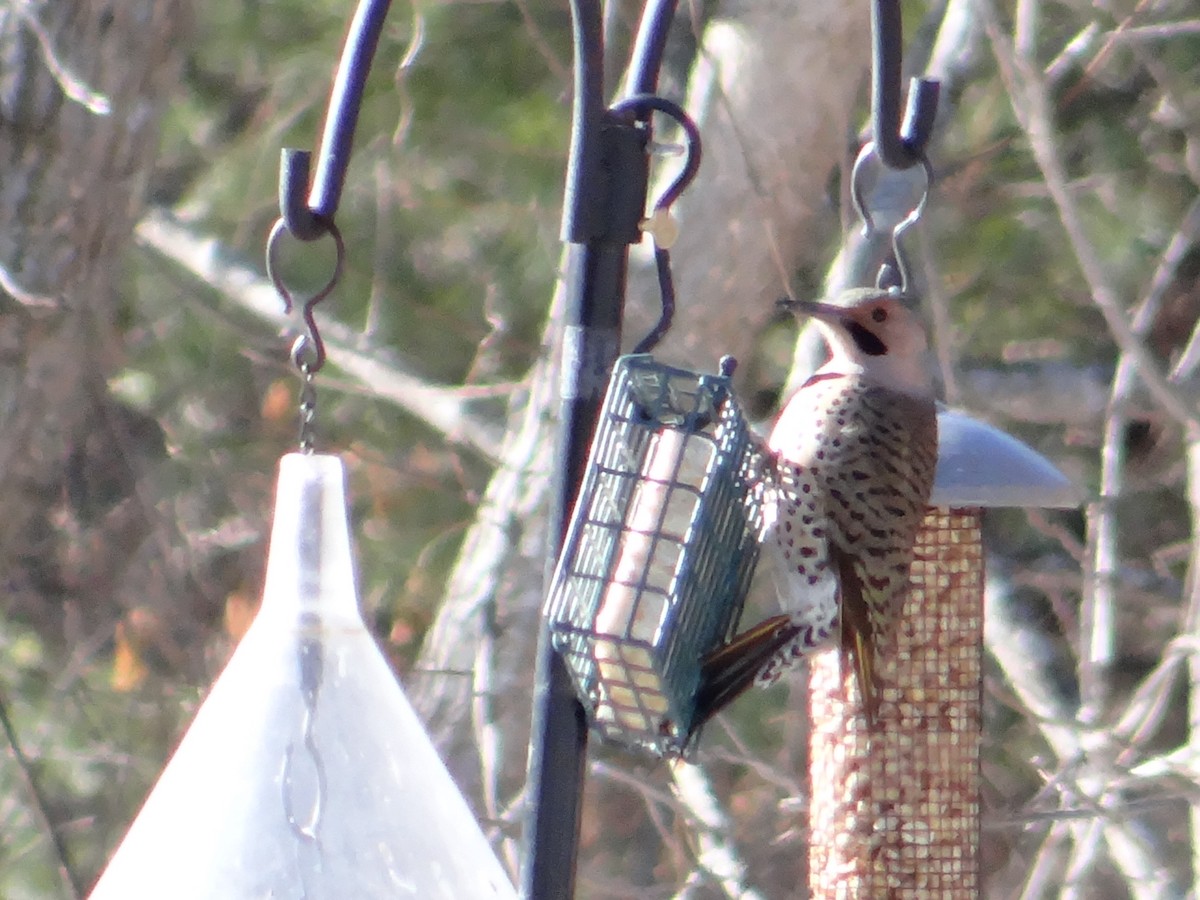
[(824, 312)]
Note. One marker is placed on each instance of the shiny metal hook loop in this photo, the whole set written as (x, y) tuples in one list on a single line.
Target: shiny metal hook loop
[(308, 352), (888, 277)]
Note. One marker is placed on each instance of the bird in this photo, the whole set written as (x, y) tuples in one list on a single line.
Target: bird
[(849, 470)]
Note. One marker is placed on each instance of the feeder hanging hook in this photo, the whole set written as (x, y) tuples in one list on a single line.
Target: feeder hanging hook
[(308, 352), (641, 106)]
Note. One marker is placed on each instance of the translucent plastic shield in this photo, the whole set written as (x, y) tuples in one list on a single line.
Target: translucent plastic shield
[(306, 772)]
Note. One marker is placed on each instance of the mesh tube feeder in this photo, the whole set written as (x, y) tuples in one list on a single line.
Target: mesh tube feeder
[(660, 550), (895, 811)]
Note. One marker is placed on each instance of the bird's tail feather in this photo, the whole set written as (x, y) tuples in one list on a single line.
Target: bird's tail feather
[(729, 670)]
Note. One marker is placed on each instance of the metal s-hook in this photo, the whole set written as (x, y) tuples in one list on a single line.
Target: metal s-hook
[(899, 145), (639, 106), (308, 352), (308, 213), (895, 270)]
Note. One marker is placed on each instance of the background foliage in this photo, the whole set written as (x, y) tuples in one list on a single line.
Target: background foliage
[(451, 216)]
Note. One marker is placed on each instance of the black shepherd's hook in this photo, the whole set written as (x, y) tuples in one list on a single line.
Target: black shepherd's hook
[(604, 206), (898, 145), (307, 212)]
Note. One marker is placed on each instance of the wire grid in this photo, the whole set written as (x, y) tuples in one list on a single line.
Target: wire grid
[(659, 553), (895, 813)]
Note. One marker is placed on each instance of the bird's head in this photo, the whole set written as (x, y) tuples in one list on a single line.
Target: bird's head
[(876, 331)]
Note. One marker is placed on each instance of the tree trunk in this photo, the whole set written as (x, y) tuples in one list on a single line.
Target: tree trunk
[(772, 94), (82, 90), (773, 91)]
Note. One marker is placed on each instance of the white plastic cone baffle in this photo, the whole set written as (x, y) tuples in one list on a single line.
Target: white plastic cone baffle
[(306, 773)]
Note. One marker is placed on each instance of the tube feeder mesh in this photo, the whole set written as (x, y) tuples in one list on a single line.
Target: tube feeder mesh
[(894, 813), (659, 553)]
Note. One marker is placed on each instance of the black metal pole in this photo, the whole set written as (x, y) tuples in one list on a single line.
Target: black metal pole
[(899, 145), (558, 751), (604, 201)]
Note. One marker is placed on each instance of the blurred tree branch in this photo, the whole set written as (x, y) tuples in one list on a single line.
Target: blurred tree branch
[(39, 804), (82, 92), (1027, 89), (1086, 774), (445, 409)]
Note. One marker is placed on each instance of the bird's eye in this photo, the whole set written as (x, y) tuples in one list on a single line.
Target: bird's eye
[(879, 314)]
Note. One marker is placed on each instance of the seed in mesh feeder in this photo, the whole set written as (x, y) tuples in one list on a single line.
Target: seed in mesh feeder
[(634, 606)]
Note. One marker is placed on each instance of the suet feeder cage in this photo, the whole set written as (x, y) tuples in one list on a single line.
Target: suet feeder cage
[(659, 552)]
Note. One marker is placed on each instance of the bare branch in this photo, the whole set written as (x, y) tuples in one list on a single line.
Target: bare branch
[(716, 853), (1160, 32), (446, 409), (28, 299), (1086, 775), (1190, 624), (73, 87), (39, 805), (1027, 89), (1100, 600)]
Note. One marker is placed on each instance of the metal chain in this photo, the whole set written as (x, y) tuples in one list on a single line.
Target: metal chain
[(308, 351), (303, 802), (308, 408)]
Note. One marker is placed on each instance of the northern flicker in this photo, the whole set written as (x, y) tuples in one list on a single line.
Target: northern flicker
[(851, 464)]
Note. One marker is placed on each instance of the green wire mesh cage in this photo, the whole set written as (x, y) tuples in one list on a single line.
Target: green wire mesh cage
[(660, 550)]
